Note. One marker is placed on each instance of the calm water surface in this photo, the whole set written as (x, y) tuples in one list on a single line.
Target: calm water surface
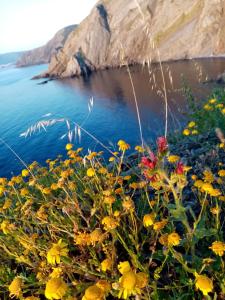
[(23, 102)]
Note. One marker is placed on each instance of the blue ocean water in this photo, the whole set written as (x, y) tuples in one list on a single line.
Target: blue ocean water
[(24, 102)]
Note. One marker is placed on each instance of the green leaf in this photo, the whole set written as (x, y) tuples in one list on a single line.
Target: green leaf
[(204, 232)]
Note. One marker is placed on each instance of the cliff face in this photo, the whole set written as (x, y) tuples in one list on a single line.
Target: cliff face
[(137, 31), (43, 54)]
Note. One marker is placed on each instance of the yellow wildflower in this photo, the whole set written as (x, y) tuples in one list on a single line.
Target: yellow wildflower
[(109, 223), (7, 204), (194, 132), (187, 168), (83, 239), (191, 124), (218, 248), (164, 239), (6, 226), (123, 146), (128, 287), (148, 220), (56, 273), (212, 101), (56, 252), (198, 183), (186, 132), (204, 284), (25, 173), (160, 225), (139, 149), (173, 158), (220, 105), (194, 177), (124, 267), (109, 199), (215, 193), (215, 210), (69, 147), (133, 185), (96, 236), (208, 176), (15, 287), (54, 186), (116, 213), (17, 179), (142, 280), (90, 172), (106, 265), (221, 173), (207, 187), (173, 239), (2, 190), (41, 213), (104, 286), (46, 191), (223, 111), (118, 191), (93, 293), (128, 204), (91, 155), (32, 298), (102, 171), (56, 288), (208, 107), (3, 181), (107, 192), (24, 192)]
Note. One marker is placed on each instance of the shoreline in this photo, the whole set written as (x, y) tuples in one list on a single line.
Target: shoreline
[(46, 75)]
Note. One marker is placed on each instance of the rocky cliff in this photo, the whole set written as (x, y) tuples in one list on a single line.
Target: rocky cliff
[(136, 31), (43, 54)]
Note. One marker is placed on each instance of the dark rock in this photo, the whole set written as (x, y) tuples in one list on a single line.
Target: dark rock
[(221, 78)]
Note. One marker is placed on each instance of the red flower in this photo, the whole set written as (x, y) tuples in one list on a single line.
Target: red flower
[(180, 168), (149, 162), (162, 144)]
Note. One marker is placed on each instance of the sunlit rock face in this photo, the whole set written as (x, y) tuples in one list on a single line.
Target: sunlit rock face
[(43, 54), (118, 32)]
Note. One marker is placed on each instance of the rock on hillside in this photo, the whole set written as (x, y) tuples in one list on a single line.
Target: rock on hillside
[(136, 31), (43, 54)]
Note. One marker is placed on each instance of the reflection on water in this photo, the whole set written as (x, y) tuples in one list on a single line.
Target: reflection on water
[(23, 102), (115, 86)]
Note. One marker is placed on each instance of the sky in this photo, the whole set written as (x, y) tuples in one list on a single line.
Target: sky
[(26, 24)]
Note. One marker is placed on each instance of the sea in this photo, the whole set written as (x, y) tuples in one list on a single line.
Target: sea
[(38, 118)]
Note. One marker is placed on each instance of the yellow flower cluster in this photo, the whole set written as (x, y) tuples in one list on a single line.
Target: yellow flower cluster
[(57, 251), (130, 283), (81, 229), (191, 129)]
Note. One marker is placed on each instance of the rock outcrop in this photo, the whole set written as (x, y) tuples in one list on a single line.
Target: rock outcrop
[(43, 54), (118, 32)]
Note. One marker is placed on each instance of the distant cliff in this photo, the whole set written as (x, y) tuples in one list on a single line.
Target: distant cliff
[(43, 54), (137, 31)]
